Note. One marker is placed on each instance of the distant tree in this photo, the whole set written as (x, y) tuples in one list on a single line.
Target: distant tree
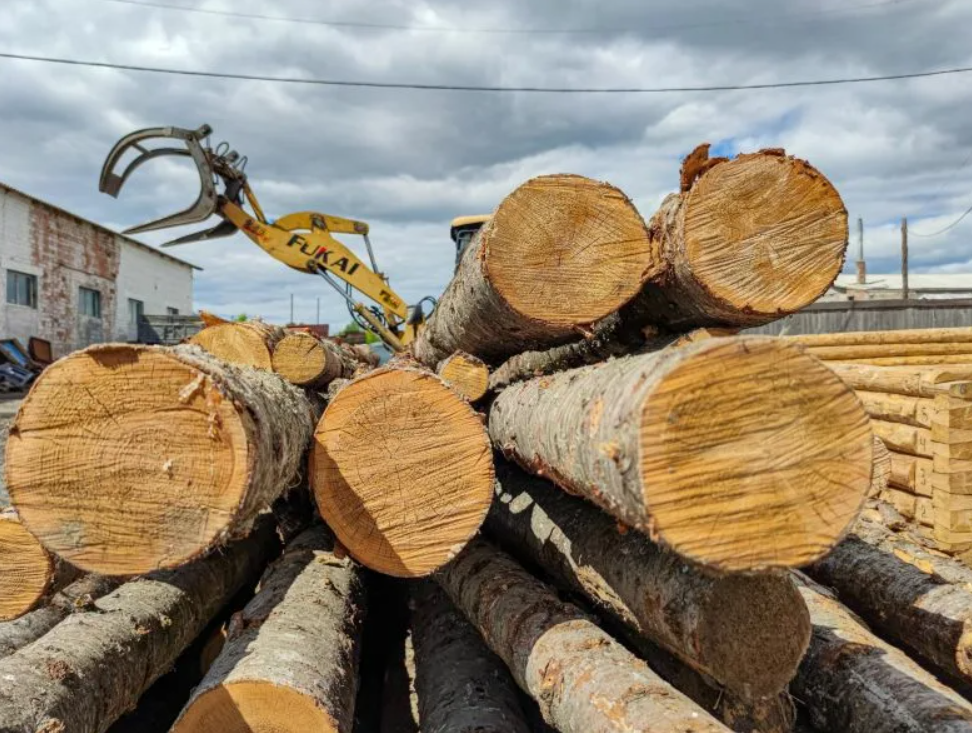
[(350, 328), (242, 318)]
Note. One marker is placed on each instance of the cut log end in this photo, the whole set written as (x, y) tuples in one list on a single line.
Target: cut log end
[(466, 374), (25, 569), (756, 456), (565, 249), (306, 361), (244, 707), (402, 471), (242, 344), (125, 459), (779, 216)]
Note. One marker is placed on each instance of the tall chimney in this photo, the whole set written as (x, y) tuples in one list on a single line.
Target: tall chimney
[(861, 266)]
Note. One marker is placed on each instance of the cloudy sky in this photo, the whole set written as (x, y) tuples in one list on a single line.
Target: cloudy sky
[(409, 161)]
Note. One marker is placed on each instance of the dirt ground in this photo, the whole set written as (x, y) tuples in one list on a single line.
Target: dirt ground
[(8, 408)]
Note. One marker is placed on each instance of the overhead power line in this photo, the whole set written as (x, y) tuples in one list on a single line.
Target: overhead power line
[(477, 88), (364, 25), (948, 228)]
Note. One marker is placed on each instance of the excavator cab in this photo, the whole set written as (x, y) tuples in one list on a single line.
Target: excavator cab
[(464, 228)]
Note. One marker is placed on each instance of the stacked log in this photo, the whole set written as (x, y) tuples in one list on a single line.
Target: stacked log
[(907, 347), (466, 374), (307, 361), (126, 459), (582, 679), (250, 343), (91, 668), (402, 470), (460, 684), (291, 656), (27, 570), (674, 442)]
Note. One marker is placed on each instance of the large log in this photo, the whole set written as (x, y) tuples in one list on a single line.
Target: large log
[(748, 633), (250, 343), (904, 438), (582, 679), (920, 611), (956, 360), (462, 686), (94, 665), (307, 361), (900, 336), (675, 444), (78, 596), (746, 242), (559, 253), (291, 656), (124, 459), (402, 471), (913, 381), (852, 682), (881, 469)]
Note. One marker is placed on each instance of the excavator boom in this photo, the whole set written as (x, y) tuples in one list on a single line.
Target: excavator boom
[(303, 241)]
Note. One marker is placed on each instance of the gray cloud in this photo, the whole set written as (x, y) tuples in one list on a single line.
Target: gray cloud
[(410, 161)]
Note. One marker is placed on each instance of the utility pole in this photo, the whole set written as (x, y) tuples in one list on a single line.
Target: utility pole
[(291, 308), (861, 267), (904, 258), (318, 321)]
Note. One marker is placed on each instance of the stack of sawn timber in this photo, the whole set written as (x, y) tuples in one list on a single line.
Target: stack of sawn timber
[(917, 390), (658, 598)]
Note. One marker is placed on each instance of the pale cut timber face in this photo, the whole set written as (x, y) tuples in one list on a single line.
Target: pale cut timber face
[(567, 250), (25, 569), (236, 344), (254, 707), (123, 461), (765, 233), (402, 471), (299, 358), (468, 377), (757, 454)]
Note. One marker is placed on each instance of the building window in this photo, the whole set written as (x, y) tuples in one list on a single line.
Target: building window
[(136, 309), (172, 311), (90, 302), (21, 288)]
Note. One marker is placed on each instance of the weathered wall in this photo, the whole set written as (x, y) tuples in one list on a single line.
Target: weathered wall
[(872, 315), (67, 253), (158, 282)]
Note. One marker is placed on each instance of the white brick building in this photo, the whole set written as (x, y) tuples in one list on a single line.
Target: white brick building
[(74, 282)]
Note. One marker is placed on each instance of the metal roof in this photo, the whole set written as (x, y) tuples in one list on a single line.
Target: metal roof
[(101, 227)]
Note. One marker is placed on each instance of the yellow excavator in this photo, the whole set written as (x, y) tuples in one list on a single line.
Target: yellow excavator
[(303, 241)]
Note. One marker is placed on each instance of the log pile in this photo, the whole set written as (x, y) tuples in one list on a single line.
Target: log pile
[(587, 497)]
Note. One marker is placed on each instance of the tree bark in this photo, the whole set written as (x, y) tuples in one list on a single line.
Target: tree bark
[(908, 381), (750, 240), (748, 633), (915, 411), (94, 665), (250, 343), (466, 374), (78, 596), (919, 611), (583, 679), (462, 686), (851, 681), (675, 445), (402, 471), (307, 361), (290, 662), (124, 459), (560, 252)]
